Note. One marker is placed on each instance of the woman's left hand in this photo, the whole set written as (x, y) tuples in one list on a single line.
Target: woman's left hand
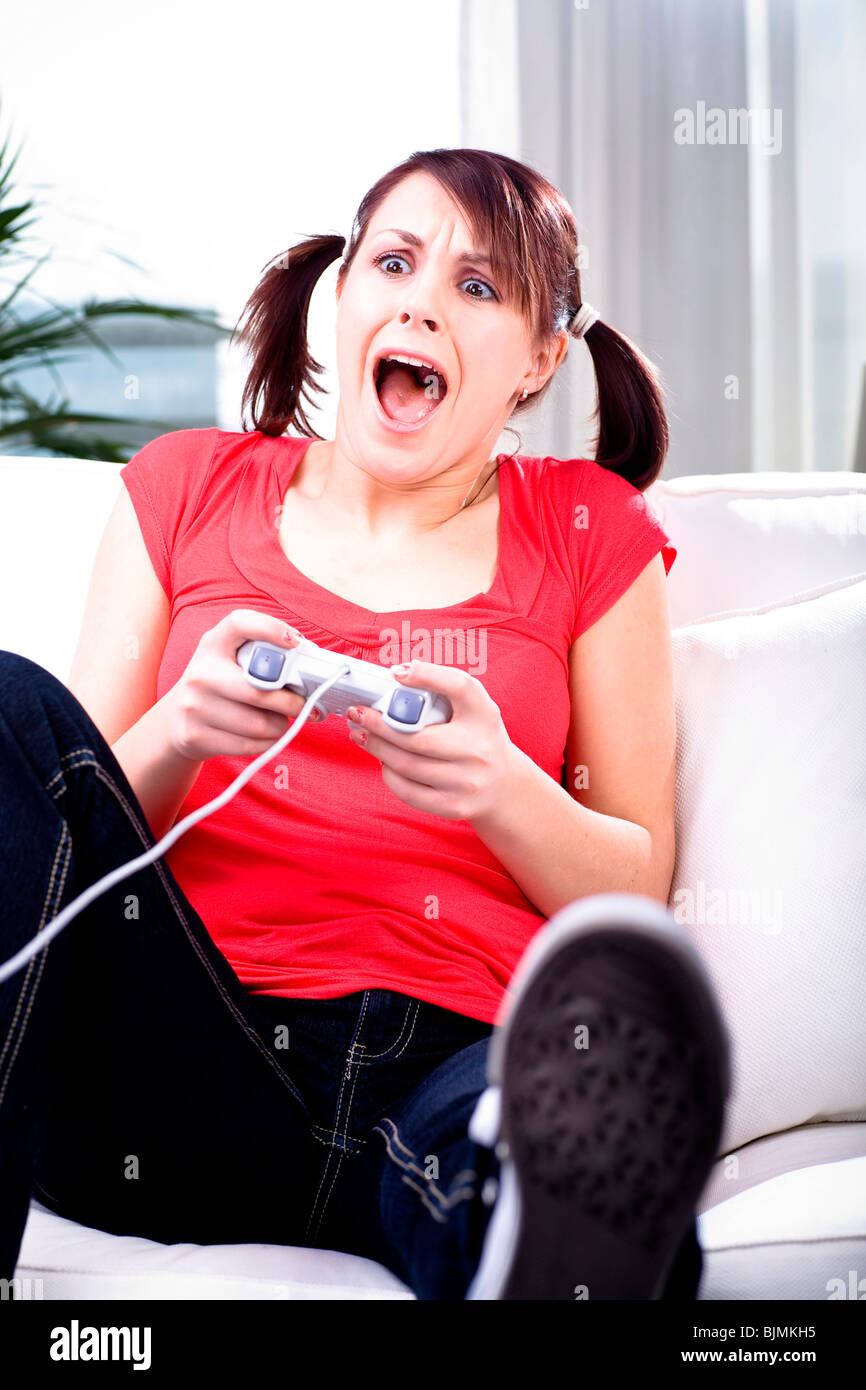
[(455, 770)]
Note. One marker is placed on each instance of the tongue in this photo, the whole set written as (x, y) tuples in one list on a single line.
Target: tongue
[(402, 398)]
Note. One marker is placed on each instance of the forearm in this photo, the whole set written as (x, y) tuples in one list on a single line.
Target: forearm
[(160, 776), (557, 850)]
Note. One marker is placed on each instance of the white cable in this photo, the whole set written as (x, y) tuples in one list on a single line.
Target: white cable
[(95, 890)]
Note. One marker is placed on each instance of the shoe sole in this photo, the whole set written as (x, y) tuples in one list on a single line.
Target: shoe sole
[(606, 1136)]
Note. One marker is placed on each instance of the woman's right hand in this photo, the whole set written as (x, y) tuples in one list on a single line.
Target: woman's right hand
[(215, 711)]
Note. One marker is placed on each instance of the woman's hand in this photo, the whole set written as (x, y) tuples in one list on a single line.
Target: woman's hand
[(455, 770), (214, 710)]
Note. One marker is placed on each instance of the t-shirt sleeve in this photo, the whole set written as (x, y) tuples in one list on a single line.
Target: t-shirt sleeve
[(165, 480), (614, 534)]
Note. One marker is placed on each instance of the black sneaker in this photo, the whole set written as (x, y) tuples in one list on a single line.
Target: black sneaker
[(608, 1072)]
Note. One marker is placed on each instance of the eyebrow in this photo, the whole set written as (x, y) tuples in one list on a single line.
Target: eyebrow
[(475, 257)]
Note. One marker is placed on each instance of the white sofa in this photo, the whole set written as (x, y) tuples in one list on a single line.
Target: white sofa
[(768, 610)]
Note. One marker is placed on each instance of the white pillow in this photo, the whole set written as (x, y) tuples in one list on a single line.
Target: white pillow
[(745, 539), (53, 512), (770, 876)]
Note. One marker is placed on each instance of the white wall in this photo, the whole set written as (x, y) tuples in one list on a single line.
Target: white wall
[(199, 139)]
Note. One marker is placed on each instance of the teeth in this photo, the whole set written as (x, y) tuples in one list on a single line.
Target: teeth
[(413, 362)]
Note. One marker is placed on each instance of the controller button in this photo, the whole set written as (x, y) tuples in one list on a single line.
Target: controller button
[(266, 665), (406, 706)]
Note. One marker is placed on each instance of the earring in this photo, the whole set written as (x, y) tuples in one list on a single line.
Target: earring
[(525, 394)]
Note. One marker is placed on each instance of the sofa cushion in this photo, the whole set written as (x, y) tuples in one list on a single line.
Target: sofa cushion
[(75, 1261), (770, 874), (774, 1154), (742, 539), (748, 539), (801, 1235), (52, 517)]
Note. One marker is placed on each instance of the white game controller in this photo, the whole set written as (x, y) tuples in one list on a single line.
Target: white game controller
[(303, 668)]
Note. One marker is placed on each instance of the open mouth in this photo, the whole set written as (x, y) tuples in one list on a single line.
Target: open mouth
[(409, 388)]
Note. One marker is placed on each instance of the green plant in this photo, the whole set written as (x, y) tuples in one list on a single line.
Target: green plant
[(47, 336)]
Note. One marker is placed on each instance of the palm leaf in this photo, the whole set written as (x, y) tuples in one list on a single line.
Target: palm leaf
[(48, 337)]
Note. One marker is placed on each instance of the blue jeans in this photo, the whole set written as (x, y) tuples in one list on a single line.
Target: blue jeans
[(144, 1091)]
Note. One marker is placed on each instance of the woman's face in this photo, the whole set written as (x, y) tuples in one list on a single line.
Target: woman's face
[(435, 300)]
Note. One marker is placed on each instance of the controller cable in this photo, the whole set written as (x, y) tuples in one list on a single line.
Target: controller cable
[(46, 934)]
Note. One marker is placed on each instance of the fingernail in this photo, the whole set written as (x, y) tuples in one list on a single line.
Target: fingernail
[(401, 669)]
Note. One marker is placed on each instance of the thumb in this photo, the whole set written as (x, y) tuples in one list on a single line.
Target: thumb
[(247, 624)]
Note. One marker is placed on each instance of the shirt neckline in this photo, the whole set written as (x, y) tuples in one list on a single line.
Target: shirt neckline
[(256, 511)]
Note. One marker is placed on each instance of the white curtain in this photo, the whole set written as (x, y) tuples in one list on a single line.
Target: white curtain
[(714, 157)]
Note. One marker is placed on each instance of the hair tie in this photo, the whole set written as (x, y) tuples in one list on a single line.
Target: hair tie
[(582, 319)]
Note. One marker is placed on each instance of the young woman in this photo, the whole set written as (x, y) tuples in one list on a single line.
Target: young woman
[(411, 996)]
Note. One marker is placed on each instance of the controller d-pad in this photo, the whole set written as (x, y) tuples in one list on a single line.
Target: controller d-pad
[(406, 706), (266, 664)]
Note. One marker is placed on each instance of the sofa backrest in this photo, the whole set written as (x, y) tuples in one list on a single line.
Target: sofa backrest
[(769, 878), (743, 539), (748, 539), (53, 512)]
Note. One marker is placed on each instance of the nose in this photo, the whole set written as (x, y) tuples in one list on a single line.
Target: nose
[(421, 300), (409, 316)]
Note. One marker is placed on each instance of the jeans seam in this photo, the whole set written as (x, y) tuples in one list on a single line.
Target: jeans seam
[(342, 1152), (433, 1210), (447, 1200), (329, 1142), (64, 840), (381, 1056), (312, 1229), (106, 777), (313, 1232)]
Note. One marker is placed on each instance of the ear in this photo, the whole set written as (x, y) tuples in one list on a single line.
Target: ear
[(545, 363)]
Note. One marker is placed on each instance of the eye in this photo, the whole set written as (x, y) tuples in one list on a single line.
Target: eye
[(398, 256), (389, 256), (486, 287)]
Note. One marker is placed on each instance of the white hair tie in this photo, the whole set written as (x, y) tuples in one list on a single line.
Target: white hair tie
[(582, 319)]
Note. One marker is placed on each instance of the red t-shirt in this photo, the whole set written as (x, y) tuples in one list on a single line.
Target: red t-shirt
[(315, 880)]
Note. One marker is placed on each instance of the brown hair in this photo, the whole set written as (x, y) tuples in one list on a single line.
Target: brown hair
[(528, 229)]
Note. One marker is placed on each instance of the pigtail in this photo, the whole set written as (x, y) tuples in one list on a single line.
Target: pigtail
[(274, 330), (633, 435)]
